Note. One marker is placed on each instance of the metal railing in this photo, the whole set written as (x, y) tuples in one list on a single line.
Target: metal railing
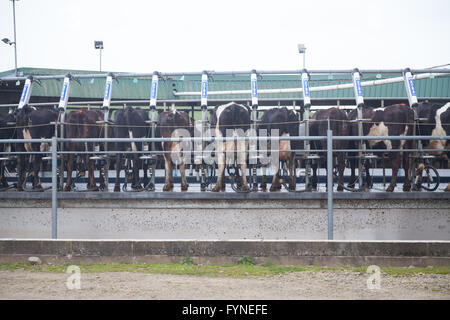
[(329, 155)]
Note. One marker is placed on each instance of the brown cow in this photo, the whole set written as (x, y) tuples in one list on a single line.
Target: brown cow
[(334, 119), (168, 126), (83, 124)]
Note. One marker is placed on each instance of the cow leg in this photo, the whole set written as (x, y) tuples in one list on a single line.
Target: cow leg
[(292, 182), (20, 171), (36, 167), (243, 164), (145, 169), (263, 179), (220, 184), (3, 181), (184, 184), (395, 160), (314, 166), (70, 162), (168, 186), (90, 164), (275, 186), (352, 182), (135, 167), (406, 164), (118, 167), (341, 168), (220, 172)]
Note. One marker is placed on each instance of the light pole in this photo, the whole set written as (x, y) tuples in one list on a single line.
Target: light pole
[(302, 49), (7, 41), (99, 45)]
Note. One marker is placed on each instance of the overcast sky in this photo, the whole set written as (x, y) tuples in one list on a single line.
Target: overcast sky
[(143, 36)]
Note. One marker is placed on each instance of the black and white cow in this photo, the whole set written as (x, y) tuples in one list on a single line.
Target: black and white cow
[(34, 123), (286, 123), (231, 120), (131, 123), (394, 120), (436, 123), (7, 131)]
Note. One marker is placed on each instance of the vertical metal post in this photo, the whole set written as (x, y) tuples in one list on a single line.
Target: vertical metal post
[(330, 182), (359, 104), (306, 105), (253, 127), (204, 108), (54, 188), (15, 40)]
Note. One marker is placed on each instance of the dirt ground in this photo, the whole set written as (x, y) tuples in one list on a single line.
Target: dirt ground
[(299, 285)]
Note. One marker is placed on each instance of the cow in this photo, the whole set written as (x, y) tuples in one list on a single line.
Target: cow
[(82, 123), (286, 123), (394, 120), (336, 120), (131, 123), (173, 124), (234, 119), (7, 131), (436, 122), (33, 123)]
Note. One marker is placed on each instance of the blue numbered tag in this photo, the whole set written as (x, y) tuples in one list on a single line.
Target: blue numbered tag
[(24, 93), (204, 89), (254, 89), (64, 92), (107, 90), (306, 87), (154, 87), (358, 87), (411, 87)]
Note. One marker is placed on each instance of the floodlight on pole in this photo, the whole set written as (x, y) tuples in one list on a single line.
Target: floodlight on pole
[(302, 50), (7, 41), (99, 45)]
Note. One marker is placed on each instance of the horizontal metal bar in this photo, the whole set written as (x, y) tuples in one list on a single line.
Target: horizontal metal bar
[(391, 137), (246, 72), (311, 89), (189, 103), (225, 139)]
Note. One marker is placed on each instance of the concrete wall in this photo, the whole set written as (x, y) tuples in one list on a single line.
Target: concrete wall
[(224, 219), (324, 253)]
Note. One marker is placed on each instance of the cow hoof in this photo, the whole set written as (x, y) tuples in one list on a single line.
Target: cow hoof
[(38, 188), (390, 189), (406, 187), (274, 188), (340, 188), (68, 188), (216, 189), (116, 188), (168, 187), (184, 187), (447, 189), (245, 187)]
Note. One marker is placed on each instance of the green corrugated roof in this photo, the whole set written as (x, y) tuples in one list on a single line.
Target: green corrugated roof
[(139, 88)]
